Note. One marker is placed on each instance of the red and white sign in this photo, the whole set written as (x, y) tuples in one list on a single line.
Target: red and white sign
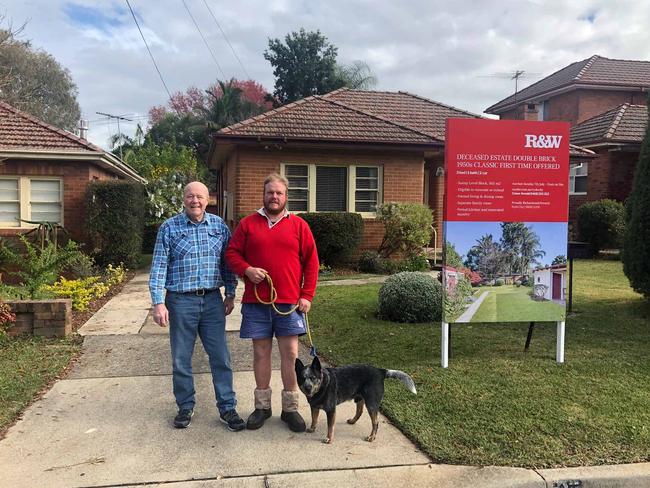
[(506, 171)]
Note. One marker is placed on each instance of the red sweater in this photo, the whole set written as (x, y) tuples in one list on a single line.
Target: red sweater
[(287, 251)]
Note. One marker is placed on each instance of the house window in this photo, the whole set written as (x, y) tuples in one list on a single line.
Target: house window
[(578, 179), (9, 202), (324, 188), (366, 195), (298, 177), (34, 199)]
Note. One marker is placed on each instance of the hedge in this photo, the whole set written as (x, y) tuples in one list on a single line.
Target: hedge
[(115, 218), (337, 235)]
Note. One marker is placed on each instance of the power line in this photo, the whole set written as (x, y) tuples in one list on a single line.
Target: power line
[(226, 38), (204, 40), (149, 50)]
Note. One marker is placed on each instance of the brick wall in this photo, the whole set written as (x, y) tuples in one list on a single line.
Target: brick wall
[(45, 318), (75, 176), (403, 176), (594, 102), (610, 176)]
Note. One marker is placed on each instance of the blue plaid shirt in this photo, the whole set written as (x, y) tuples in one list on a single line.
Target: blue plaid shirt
[(189, 256)]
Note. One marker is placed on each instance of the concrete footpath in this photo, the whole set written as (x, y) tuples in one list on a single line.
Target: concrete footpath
[(109, 424)]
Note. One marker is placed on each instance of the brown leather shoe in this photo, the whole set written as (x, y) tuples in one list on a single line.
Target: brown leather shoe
[(295, 421)]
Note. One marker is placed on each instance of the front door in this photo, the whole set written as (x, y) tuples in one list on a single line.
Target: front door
[(557, 286)]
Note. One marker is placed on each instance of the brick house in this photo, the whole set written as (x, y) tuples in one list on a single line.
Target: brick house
[(604, 101), (347, 150), (44, 172)]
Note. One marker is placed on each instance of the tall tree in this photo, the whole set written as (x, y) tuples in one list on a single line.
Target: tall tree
[(33, 81), (636, 246), (304, 65)]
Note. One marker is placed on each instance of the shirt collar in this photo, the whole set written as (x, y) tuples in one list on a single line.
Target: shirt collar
[(261, 211), (188, 220)]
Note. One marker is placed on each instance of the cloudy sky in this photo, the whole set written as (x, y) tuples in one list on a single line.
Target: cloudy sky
[(456, 52)]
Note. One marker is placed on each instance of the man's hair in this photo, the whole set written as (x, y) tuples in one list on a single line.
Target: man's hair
[(276, 177)]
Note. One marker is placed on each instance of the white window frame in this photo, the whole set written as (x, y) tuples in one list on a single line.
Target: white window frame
[(24, 200), (352, 184), (572, 178)]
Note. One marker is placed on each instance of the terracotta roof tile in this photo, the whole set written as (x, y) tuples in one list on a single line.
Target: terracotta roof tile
[(20, 131), (623, 124), (595, 70), (353, 115)]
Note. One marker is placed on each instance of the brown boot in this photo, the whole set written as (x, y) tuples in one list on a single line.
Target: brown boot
[(262, 409), (290, 413)]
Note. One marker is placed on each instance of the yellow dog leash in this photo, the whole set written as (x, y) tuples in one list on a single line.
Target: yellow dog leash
[(274, 296)]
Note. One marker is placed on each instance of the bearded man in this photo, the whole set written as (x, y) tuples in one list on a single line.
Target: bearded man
[(273, 241)]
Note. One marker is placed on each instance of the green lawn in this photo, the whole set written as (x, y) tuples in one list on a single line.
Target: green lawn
[(27, 364), (509, 303), (497, 405)]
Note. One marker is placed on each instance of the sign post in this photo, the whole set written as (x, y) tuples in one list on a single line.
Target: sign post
[(505, 224)]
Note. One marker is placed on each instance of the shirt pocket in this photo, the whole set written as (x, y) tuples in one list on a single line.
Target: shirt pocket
[(215, 241), (181, 245)]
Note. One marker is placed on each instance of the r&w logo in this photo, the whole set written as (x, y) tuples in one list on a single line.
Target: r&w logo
[(542, 141)]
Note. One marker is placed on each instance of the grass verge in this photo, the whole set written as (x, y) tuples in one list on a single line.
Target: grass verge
[(27, 366), (497, 405)]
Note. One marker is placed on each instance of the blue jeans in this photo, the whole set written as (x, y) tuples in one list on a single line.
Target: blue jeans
[(189, 315)]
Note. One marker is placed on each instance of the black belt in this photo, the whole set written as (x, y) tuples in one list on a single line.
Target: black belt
[(200, 292)]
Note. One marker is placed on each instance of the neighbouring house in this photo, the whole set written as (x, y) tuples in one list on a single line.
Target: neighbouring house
[(347, 150), (450, 278), (554, 279), (604, 101), (44, 172)]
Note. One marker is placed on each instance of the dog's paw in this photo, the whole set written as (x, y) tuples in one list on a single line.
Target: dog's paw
[(327, 440), (370, 438), (310, 430)]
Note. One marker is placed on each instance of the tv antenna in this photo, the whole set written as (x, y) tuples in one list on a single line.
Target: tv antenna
[(119, 132), (512, 75)]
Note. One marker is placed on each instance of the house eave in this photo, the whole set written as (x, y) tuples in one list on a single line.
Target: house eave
[(104, 160), (540, 97)]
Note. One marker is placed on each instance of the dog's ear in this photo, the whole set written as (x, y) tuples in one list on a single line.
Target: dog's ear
[(299, 366), (315, 366)]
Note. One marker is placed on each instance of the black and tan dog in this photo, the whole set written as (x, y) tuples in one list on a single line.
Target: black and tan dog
[(325, 388)]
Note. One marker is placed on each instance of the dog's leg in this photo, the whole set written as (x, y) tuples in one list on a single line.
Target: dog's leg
[(331, 417), (375, 425), (314, 419), (360, 403)]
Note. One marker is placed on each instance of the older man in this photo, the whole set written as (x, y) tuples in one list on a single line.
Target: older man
[(272, 241), (189, 263)]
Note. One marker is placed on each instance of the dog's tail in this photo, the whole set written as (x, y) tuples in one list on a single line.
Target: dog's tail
[(403, 377)]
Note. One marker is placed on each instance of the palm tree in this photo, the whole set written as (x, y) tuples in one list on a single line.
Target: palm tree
[(530, 250), (356, 76)]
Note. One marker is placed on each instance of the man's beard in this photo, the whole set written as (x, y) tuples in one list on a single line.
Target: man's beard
[(275, 213)]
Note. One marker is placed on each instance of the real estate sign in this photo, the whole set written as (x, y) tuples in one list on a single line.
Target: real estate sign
[(505, 220)]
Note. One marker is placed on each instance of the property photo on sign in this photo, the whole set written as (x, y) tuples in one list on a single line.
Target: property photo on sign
[(511, 272), (505, 223)]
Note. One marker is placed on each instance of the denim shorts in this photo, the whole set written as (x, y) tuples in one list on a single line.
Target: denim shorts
[(260, 321)]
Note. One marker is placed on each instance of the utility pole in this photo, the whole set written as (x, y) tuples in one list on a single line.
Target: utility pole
[(119, 132)]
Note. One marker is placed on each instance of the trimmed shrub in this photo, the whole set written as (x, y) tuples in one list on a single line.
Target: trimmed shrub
[(115, 216), (407, 228), (372, 262), (149, 235), (337, 235), (410, 297), (601, 224), (499, 282)]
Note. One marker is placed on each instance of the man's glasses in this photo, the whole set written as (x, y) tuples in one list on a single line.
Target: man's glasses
[(192, 197)]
